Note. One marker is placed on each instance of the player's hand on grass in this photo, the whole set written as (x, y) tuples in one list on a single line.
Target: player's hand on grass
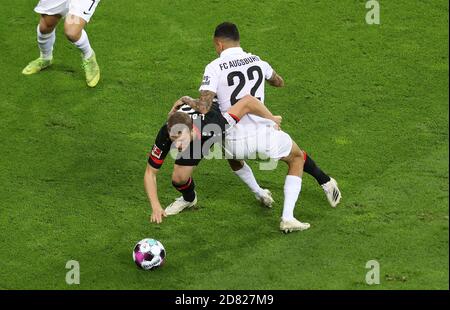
[(157, 215)]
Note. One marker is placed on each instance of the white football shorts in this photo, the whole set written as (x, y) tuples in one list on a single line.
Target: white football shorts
[(261, 140), (81, 8)]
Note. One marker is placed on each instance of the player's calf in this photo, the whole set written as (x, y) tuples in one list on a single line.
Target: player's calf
[(187, 189), (46, 37), (75, 33), (295, 161), (328, 184), (292, 189), (187, 200)]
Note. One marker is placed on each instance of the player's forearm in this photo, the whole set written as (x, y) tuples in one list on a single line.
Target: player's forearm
[(199, 106), (276, 81), (203, 104), (151, 188)]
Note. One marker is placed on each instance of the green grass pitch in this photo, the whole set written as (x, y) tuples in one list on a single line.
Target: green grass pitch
[(368, 102)]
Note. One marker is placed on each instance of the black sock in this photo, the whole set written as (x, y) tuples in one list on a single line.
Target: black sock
[(312, 169), (187, 189)]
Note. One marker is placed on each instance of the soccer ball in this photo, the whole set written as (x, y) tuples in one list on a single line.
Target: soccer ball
[(149, 254)]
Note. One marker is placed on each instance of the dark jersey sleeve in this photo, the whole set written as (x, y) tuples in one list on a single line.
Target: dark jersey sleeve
[(160, 149)]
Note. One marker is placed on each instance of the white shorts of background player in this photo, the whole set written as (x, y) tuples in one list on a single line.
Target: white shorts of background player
[(81, 8)]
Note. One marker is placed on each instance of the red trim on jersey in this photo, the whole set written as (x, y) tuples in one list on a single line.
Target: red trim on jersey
[(237, 119), (185, 186), (197, 132), (305, 156), (156, 160)]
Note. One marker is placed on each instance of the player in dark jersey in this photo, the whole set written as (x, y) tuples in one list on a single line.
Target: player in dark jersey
[(208, 128), (191, 134)]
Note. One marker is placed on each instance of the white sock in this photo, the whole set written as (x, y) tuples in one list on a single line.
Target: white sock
[(246, 175), (292, 188), (46, 42), (84, 45)]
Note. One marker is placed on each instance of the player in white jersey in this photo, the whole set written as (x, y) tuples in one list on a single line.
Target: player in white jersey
[(232, 76), (77, 14), (279, 146)]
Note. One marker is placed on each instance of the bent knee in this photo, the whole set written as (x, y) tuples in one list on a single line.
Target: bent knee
[(178, 180), (297, 156), (300, 155), (46, 28), (73, 34)]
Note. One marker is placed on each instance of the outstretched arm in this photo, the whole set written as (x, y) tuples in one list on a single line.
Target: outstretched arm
[(152, 193), (251, 105)]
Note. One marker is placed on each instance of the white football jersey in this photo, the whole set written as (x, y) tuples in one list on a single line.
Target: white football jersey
[(236, 74)]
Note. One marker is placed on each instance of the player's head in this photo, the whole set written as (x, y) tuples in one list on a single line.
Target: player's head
[(226, 35), (180, 127)]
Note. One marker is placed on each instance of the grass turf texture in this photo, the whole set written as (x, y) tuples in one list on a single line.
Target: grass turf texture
[(368, 103)]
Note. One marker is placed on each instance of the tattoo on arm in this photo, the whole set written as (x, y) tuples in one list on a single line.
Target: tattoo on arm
[(276, 80), (204, 103)]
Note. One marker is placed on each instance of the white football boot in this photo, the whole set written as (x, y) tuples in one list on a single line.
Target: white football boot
[(332, 191), (266, 199), (293, 225), (179, 205)]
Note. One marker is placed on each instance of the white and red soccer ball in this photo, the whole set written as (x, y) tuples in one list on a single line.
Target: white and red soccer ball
[(149, 254)]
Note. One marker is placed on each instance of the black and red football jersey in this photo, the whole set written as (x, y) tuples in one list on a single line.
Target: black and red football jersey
[(208, 128)]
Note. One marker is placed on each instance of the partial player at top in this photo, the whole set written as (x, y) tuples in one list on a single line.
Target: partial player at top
[(236, 73), (77, 14)]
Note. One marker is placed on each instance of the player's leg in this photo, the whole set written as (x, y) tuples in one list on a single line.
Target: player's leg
[(79, 15), (278, 145), (245, 105), (46, 40), (75, 33), (292, 189), (250, 105), (184, 183), (328, 184), (245, 173)]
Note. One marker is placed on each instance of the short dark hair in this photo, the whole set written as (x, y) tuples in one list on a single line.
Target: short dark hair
[(227, 30), (179, 118)]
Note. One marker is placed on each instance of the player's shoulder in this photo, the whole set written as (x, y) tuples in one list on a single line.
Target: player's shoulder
[(265, 65), (259, 58), (163, 133), (214, 65), (164, 127), (254, 56)]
